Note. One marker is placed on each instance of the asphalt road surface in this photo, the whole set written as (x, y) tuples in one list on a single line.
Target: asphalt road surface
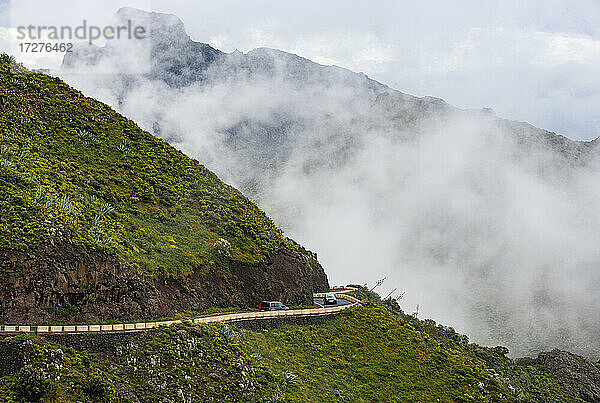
[(340, 302)]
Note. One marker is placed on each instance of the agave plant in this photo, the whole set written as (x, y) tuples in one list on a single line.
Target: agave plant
[(273, 399), (123, 148), (22, 155), (88, 138), (92, 200), (4, 151), (100, 238), (106, 209), (290, 377), (5, 164), (66, 205), (18, 84), (40, 194), (229, 334), (97, 221)]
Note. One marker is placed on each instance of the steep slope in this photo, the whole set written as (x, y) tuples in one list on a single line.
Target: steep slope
[(99, 219), (485, 222)]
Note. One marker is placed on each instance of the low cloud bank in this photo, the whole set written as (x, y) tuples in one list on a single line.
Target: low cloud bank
[(490, 226)]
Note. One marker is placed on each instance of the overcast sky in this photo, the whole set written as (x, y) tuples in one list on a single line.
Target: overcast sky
[(536, 62)]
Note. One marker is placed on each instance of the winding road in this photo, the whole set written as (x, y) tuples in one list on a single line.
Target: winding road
[(340, 302), (344, 301)]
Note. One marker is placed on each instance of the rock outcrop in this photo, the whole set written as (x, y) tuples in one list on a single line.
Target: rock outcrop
[(67, 283), (577, 375)]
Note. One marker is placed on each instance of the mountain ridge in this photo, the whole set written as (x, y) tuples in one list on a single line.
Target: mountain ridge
[(161, 33)]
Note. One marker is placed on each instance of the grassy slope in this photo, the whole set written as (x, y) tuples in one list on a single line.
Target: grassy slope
[(370, 354), (72, 169), (365, 354)]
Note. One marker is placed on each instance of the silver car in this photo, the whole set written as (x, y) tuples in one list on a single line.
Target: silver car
[(273, 306), (329, 299)]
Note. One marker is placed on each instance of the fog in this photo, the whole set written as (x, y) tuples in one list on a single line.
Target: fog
[(489, 226)]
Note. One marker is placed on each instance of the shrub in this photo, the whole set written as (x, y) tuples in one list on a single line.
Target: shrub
[(95, 386), (31, 385), (7, 59)]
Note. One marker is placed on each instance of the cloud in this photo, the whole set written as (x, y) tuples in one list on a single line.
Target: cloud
[(545, 78), (557, 49), (355, 51), (480, 241), (521, 72)]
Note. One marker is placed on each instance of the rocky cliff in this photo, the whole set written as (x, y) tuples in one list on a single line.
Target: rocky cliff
[(58, 283)]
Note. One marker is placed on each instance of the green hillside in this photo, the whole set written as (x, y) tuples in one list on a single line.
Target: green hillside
[(366, 354), (73, 170)]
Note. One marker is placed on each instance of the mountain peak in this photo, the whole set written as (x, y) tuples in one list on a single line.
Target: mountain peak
[(159, 26)]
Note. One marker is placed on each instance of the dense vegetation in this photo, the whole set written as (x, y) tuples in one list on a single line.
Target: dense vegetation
[(371, 354), (368, 353), (74, 170)]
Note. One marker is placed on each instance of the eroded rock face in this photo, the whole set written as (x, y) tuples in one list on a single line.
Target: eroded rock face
[(576, 374), (69, 283)]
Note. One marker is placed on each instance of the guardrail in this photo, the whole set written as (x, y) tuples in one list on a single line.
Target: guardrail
[(229, 317)]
